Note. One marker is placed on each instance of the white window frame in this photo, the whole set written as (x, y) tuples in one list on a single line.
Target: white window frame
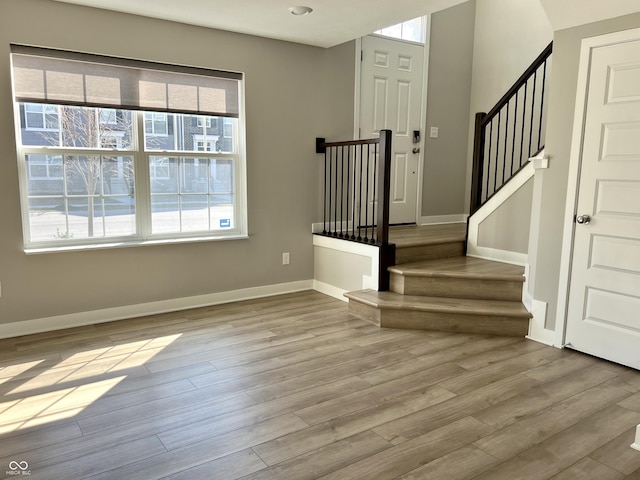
[(43, 113), (153, 132), (141, 156), (204, 122), (48, 164)]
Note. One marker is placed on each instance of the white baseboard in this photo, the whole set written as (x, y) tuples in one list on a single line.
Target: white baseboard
[(441, 219), (497, 255), (537, 331), (81, 319), (330, 290), (636, 444)]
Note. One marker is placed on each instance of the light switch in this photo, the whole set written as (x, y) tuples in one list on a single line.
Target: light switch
[(434, 132)]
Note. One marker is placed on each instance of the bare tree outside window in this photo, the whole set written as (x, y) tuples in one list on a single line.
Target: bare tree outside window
[(91, 176)]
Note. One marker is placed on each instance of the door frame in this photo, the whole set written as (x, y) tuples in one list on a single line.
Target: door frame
[(575, 164), (423, 107)]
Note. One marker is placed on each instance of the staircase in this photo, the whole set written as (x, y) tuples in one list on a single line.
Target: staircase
[(433, 286)]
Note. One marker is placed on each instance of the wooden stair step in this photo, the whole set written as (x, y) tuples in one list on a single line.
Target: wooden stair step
[(393, 310), (415, 243), (462, 277)]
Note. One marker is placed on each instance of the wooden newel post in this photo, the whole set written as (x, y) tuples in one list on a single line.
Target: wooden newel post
[(478, 163), (387, 250)]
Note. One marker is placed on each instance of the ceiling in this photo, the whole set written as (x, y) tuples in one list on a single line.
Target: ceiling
[(332, 22)]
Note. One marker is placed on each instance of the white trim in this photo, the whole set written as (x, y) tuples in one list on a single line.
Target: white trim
[(80, 319), (319, 226), (540, 162), (636, 444), (426, 26), (443, 219), (330, 290), (505, 256), (354, 248), (537, 331), (575, 158), (473, 250)]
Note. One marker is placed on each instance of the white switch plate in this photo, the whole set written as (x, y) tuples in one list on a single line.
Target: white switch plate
[(434, 132), (285, 258)]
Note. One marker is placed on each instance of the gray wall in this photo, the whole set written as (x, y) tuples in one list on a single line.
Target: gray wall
[(507, 228), (562, 101), (293, 94), (448, 97), (509, 35)]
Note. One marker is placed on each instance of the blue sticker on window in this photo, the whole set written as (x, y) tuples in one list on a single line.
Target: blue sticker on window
[(225, 222)]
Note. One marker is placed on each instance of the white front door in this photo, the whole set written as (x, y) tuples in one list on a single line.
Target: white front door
[(603, 314), (391, 98)]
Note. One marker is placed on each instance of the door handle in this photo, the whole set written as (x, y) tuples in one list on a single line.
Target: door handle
[(416, 150), (583, 219)]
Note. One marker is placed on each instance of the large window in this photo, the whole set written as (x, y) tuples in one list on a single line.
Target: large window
[(109, 174)]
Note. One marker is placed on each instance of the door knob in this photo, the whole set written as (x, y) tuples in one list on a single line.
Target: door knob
[(416, 150), (583, 219)]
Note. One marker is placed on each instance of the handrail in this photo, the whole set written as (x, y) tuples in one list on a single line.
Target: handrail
[(356, 200), (510, 133)]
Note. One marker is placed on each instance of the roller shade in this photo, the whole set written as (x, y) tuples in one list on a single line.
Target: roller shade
[(43, 75)]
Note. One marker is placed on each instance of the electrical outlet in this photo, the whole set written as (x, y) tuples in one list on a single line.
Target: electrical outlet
[(285, 258)]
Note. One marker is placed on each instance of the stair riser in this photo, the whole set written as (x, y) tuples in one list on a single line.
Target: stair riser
[(441, 322), (456, 287), (428, 252), (364, 312)]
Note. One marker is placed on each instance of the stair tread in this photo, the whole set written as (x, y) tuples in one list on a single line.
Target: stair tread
[(461, 267), (412, 236), (393, 300)]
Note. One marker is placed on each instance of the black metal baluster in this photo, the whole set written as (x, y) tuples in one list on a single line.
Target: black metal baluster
[(366, 208), (348, 193), (375, 181), (533, 107), (513, 140), (341, 190), (335, 206), (324, 206), (355, 188), (489, 157), (524, 123), (330, 186), (506, 137), (495, 172), (360, 198), (544, 80)]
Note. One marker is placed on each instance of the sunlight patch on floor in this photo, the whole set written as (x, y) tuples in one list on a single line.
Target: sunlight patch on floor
[(48, 395)]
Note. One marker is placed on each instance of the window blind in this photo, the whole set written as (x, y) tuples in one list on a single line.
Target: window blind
[(43, 75)]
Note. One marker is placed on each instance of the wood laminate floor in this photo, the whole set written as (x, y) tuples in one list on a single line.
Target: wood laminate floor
[(293, 388)]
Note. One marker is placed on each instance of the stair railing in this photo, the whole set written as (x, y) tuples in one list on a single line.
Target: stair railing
[(511, 133), (356, 195)]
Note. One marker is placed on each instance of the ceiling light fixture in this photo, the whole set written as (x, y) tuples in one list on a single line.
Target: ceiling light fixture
[(300, 10)]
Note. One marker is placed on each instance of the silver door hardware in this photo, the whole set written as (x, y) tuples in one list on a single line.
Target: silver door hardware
[(583, 219)]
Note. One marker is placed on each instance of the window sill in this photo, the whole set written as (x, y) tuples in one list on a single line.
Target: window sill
[(127, 244)]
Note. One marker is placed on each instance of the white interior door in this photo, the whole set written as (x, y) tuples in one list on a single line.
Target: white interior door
[(391, 98), (603, 316)]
